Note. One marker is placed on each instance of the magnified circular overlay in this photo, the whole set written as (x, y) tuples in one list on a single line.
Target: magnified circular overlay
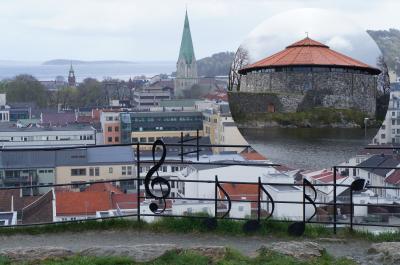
[(304, 90)]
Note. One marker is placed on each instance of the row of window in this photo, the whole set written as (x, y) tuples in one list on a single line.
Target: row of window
[(95, 171), (46, 138), (110, 139), (110, 128), (167, 119), (310, 69)]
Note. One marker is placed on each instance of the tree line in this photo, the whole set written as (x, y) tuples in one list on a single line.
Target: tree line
[(26, 88)]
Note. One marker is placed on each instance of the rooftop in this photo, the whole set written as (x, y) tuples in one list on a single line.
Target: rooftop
[(11, 127), (380, 161), (308, 52)]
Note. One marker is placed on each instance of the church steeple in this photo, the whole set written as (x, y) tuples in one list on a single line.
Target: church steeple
[(186, 67), (186, 51), (71, 76)]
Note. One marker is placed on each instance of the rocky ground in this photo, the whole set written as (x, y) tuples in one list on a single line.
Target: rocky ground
[(144, 246)]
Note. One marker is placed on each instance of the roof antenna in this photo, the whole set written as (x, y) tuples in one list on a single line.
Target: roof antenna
[(307, 34)]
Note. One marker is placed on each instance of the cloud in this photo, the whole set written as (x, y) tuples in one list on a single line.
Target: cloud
[(150, 30), (339, 43), (326, 26)]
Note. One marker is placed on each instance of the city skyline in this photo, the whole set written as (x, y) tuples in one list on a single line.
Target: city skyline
[(92, 31)]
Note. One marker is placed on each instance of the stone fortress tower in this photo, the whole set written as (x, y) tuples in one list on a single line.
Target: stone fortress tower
[(186, 67), (305, 75)]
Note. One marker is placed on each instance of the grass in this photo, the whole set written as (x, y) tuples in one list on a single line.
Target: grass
[(314, 117), (189, 257), (195, 225)]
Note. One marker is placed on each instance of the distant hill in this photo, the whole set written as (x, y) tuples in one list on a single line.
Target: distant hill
[(389, 43), (76, 62), (216, 64)]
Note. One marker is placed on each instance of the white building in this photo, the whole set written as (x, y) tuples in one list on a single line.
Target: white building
[(29, 137), (389, 133), (4, 109)]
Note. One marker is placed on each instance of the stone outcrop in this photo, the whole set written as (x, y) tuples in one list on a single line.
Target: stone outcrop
[(385, 253), (140, 253), (35, 253), (303, 250)]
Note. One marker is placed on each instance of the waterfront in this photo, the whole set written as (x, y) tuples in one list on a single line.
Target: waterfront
[(122, 71), (308, 148)]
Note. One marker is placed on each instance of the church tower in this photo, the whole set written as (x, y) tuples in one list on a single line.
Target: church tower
[(186, 67), (71, 77)]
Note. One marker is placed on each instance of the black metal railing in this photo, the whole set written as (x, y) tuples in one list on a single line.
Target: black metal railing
[(150, 195)]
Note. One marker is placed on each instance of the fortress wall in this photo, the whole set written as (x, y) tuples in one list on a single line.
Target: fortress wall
[(311, 89)]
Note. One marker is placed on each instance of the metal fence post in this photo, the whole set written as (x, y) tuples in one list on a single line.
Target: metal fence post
[(138, 180), (334, 201), (351, 209), (215, 197), (259, 200), (197, 145), (181, 147)]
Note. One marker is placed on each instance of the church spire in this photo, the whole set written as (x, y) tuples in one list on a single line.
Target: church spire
[(186, 51), (71, 77)]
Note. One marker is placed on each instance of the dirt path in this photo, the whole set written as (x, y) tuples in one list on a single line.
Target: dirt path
[(246, 245)]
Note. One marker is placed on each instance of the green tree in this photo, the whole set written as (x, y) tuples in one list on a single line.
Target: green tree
[(26, 88), (91, 93)]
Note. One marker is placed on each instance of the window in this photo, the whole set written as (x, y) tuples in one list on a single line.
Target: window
[(142, 139), (109, 129), (134, 139), (110, 170), (78, 172), (116, 139), (124, 170), (116, 129), (91, 171), (383, 136), (109, 139), (97, 171), (151, 139), (164, 169), (354, 172), (393, 121), (129, 170)]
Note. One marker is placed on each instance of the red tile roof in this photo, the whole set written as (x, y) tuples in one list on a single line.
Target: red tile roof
[(308, 52), (81, 203), (124, 201), (104, 187), (393, 178), (253, 156), (245, 192), (326, 176)]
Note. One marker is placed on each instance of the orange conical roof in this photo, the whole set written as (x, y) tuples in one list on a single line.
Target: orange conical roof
[(308, 52)]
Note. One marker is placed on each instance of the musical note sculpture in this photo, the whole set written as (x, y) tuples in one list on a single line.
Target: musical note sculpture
[(254, 225), (298, 228)]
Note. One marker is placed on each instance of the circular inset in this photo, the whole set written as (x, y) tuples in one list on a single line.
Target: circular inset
[(303, 88)]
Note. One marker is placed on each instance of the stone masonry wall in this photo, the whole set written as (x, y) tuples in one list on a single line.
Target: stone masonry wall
[(302, 90)]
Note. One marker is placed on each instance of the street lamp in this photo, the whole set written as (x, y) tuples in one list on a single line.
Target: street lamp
[(365, 126)]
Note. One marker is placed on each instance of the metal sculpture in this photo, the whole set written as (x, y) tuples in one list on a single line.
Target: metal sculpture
[(150, 183), (298, 228)]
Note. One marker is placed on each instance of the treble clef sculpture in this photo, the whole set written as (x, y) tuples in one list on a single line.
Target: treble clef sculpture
[(150, 183), (298, 228), (254, 225)]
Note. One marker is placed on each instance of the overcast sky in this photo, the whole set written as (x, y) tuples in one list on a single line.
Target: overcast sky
[(37, 30), (332, 28)]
